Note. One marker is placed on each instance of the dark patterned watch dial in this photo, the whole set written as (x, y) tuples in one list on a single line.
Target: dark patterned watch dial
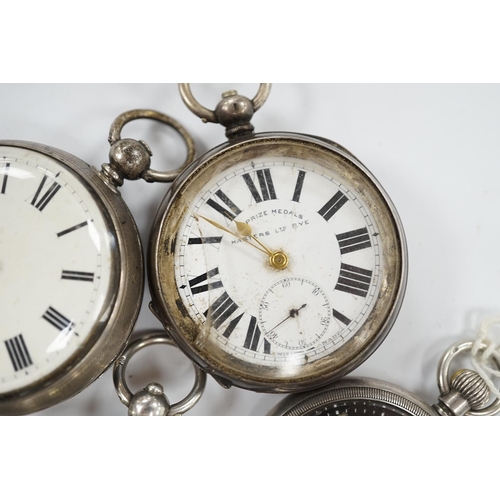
[(358, 408), (356, 397)]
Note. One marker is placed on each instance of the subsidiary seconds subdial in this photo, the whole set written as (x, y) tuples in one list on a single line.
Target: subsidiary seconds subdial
[(294, 313)]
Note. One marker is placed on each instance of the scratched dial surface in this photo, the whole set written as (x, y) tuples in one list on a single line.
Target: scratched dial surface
[(278, 260), (55, 266), (324, 230)]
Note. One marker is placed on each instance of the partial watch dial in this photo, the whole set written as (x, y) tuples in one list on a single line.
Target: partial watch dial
[(354, 397), (358, 408), (56, 266), (278, 254), (297, 327)]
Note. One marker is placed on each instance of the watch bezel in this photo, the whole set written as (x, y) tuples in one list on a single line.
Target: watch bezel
[(348, 389), (160, 249)]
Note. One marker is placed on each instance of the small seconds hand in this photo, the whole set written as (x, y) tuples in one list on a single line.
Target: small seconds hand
[(293, 313)]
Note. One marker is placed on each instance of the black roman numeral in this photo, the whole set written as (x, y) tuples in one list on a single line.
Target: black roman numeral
[(333, 205), (71, 229), (354, 240), (253, 336), (201, 279), (221, 310), (229, 204), (340, 317), (18, 352), (354, 280), (56, 319), (5, 177), (77, 276), (267, 191), (49, 194), (298, 186), (232, 325), (204, 240)]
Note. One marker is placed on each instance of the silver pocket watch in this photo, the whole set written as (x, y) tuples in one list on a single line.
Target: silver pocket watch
[(277, 261), (463, 393), (71, 265), (434, 301)]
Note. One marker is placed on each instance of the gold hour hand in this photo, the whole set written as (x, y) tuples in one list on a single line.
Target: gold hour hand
[(245, 230), (278, 260), (222, 228)]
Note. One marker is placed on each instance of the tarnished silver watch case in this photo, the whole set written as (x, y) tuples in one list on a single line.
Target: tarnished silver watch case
[(166, 301), (122, 303)]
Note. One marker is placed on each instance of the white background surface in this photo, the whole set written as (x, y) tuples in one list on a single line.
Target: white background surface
[(435, 149)]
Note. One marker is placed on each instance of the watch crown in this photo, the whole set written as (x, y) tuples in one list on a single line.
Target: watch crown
[(468, 391), (472, 387)]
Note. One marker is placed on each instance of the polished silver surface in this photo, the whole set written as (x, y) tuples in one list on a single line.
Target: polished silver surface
[(151, 401), (458, 398)]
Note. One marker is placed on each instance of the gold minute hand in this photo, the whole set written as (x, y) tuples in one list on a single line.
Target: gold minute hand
[(240, 237)]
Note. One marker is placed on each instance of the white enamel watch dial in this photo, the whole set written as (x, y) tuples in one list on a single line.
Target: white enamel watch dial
[(56, 256), (298, 327), (60, 284), (279, 261)]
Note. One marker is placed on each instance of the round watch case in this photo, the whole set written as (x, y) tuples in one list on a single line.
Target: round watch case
[(204, 344), (117, 308)]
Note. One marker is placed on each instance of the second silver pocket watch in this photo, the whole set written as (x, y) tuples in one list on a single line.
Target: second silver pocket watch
[(277, 260), (71, 266)]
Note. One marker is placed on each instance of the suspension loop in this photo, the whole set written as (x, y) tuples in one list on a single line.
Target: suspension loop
[(444, 376), (131, 159), (151, 401), (233, 112)]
